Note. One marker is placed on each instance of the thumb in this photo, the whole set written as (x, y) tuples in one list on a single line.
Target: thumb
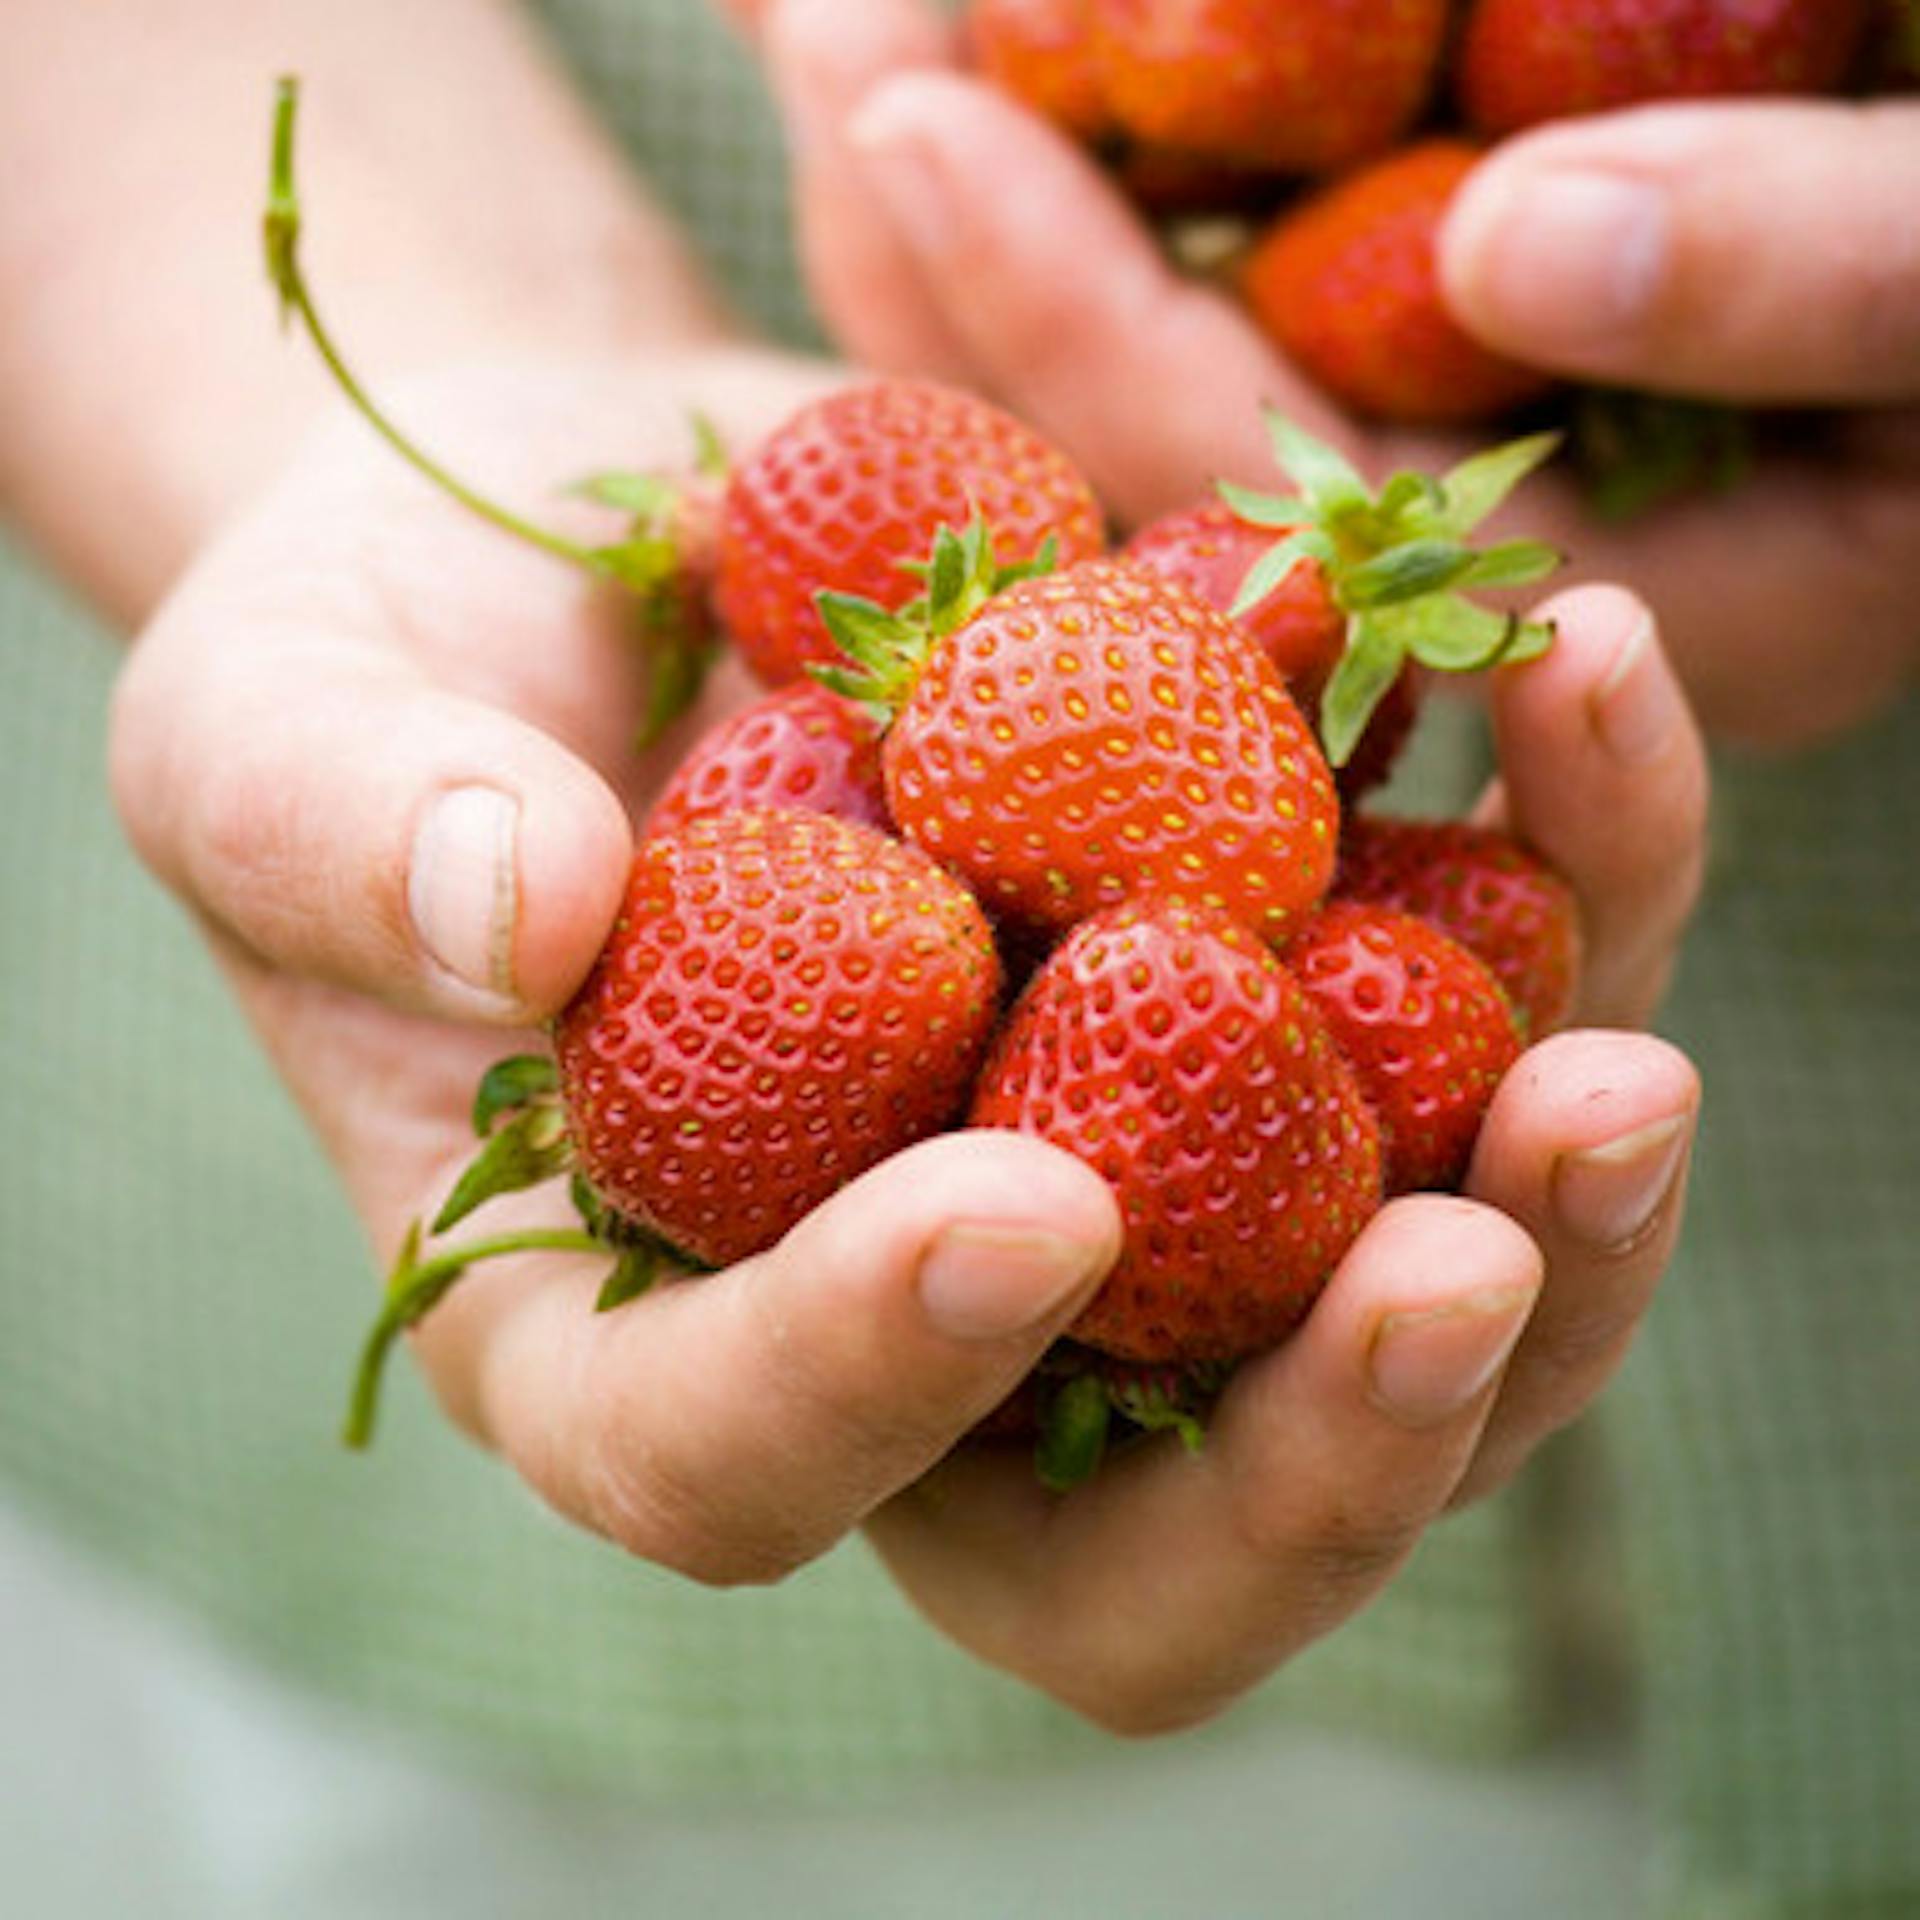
[(347, 820), (1742, 252)]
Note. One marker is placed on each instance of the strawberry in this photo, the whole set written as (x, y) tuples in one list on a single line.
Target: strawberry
[(1041, 52), (1525, 61), (1484, 889), (1300, 627), (1208, 549), (1345, 284), (1165, 1046), (799, 746), (1289, 86), (1423, 1023), (1073, 738), (853, 486), (784, 1000)]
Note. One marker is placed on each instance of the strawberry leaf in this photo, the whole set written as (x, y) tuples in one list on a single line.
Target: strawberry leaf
[(1452, 635), (1512, 563), (1331, 484), (1267, 574), (1275, 510), (647, 496), (1404, 573), (511, 1084), (530, 1148), (1369, 666), (1073, 1434), (634, 1273), (1481, 484)]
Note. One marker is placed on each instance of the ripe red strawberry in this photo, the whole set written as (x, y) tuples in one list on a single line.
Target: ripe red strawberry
[(1423, 1023), (1210, 550), (784, 1000), (1345, 284), (1525, 61), (1041, 52), (1165, 1046), (852, 486), (1485, 890), (799, 746), (1287, 85), (1075, 738)]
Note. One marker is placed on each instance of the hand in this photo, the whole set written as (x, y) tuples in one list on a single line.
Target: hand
[(384, 914), (948, 232)]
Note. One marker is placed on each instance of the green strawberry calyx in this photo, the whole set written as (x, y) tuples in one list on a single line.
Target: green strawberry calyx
[(518, 1116), (1398, 562), (885, 648), (666, 554)]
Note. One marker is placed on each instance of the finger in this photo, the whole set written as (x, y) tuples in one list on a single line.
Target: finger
[(1150, 1597), (823, 57), (1749, 252), (734, 1427), (1602, 770), (1064, 301), (1788, 605), (469, 866), (1586, 1145)]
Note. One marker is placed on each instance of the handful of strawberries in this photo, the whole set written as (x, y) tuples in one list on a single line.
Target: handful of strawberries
[(1320, 143), (1030, 834)]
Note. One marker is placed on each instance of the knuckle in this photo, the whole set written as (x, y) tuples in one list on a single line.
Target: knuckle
[(1339, 1545)]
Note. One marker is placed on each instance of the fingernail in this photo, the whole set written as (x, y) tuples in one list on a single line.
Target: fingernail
[(463, 888), (1636, 708), (1428, 1364), (987, 1282), (1561, 262), (1610, 1195), (887, 130)]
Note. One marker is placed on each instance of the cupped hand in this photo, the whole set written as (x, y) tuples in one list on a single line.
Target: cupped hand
[(1761, 253), (384, 754)]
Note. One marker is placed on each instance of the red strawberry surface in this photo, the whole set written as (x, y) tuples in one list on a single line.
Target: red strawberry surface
[(1165, 1046), (1487, 891), (1098, 732), (1291, 86), (799, 746), (1209, 550), (784, 1000), (1522, 62), (1345, 284), (1041, 52), (1423, 1023), (853, 485)]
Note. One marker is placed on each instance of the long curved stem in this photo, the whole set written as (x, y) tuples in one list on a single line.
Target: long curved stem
[(282, 241)]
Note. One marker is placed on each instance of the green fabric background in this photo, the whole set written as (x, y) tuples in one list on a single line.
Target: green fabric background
[(183, 1291)]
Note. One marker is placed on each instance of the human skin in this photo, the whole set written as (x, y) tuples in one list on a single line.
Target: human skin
[(1754, 252), (384, 757)]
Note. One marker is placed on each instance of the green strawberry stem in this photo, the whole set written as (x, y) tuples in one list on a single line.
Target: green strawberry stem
[(416, 1286), (1396, 563), (649, 562)]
